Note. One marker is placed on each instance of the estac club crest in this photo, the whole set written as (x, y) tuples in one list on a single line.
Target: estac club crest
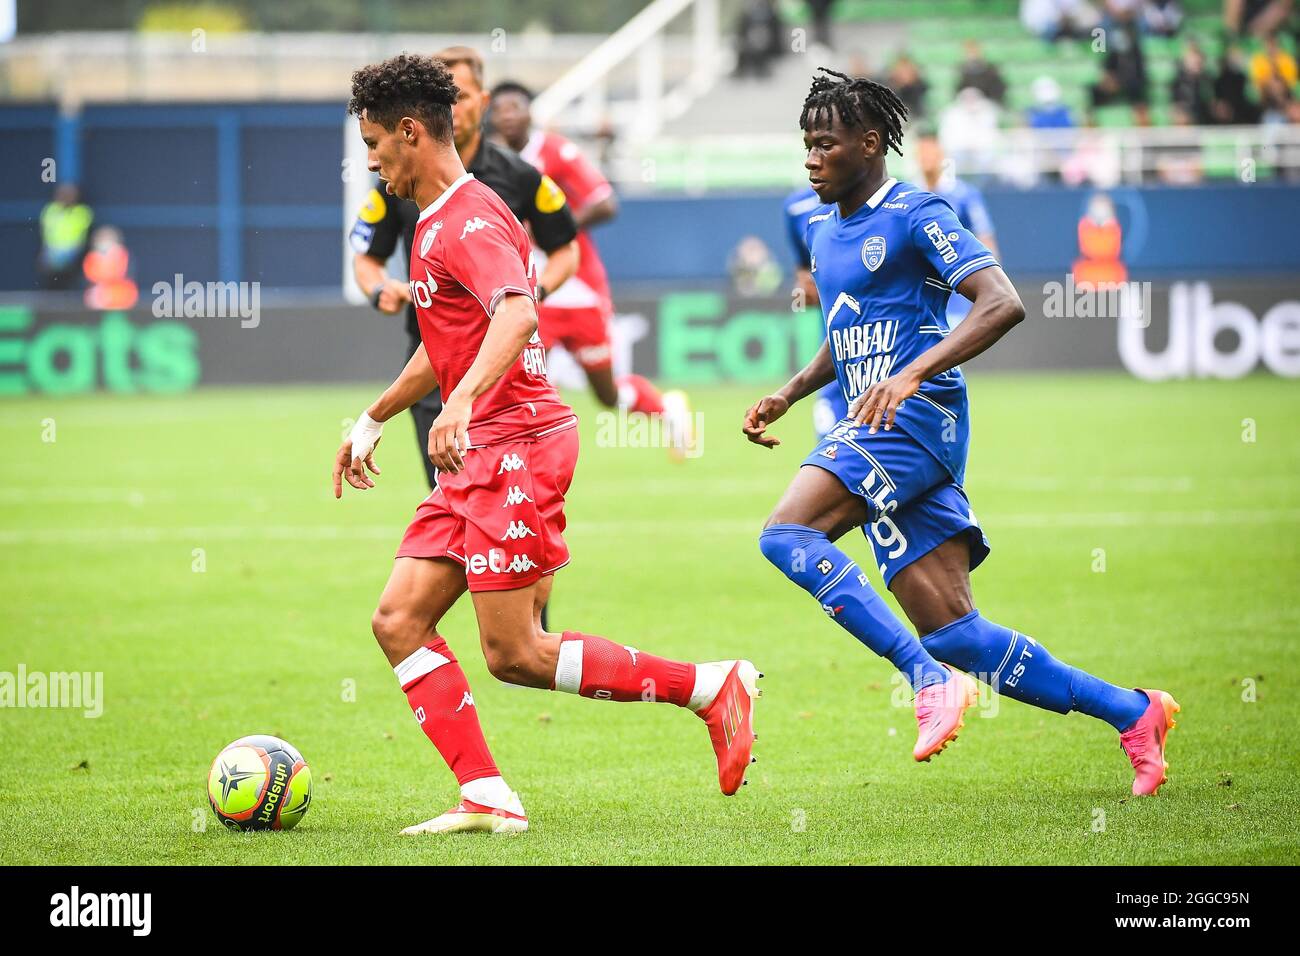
[(873, 252)]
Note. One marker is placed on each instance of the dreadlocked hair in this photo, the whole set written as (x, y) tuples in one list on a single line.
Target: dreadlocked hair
[(861, 103)]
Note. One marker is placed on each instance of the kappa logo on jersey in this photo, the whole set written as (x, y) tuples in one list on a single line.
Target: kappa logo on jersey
[(422, 290), (474, 225), (467, 700), (516, 530), (832, 611), (830, 451), (511, 462), (515, 496), (426, 241), (495, 562), (873, 252), (942, 243)]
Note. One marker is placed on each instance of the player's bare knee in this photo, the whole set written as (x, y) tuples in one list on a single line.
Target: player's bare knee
[(514, 662), (397, 632)]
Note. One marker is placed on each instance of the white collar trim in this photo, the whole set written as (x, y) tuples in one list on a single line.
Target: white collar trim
[(441, 201), (881, 193)]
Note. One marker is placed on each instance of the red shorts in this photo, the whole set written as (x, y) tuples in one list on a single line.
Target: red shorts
[(502, 517), (584, 333)]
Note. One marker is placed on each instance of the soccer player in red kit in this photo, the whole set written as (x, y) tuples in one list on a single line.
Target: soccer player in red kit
[(505, 447), (578, 314)]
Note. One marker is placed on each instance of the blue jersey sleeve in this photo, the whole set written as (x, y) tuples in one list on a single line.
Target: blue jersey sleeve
[(796, 229), (950, 248)]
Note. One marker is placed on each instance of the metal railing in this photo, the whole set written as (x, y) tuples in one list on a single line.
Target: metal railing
[(585, 84)]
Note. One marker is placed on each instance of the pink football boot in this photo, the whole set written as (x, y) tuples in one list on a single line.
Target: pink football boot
[(939, 713), (1144, 742)]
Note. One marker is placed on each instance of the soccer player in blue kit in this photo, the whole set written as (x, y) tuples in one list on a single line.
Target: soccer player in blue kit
[(885, 257)]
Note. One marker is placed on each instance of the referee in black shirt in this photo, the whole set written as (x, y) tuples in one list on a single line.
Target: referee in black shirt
[(532, 197)]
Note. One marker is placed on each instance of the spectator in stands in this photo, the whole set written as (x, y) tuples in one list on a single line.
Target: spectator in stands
[(1162, 17), (759, 38), (1232, 106), (978, 73), (1180, 165), (1054, 19), (968, 130), (1124, 74), (1277, 103), (1192, 88), (1258, 17), (65, 225), (1272, 63), (1094, 161), (1048, 112), (906, 80), (821, 17)]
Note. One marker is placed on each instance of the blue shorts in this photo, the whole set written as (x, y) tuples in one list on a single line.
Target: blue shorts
[(914, 504), (829, 407)]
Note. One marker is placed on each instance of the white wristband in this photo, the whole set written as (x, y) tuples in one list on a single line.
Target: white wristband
[(365, 434)]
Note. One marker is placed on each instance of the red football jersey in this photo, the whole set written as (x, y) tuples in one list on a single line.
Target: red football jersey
[(468, 253), (583, 184)]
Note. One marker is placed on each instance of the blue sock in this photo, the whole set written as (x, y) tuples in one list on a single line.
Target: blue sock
[(808, 559), (1016, 665)]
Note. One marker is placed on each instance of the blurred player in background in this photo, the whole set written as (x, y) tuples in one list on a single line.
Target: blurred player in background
[(885, 256), (939, 176), (829, 405), (506, 447), (579, 314), (533, 199)]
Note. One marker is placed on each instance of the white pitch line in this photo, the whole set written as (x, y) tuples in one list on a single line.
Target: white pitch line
[(991, 522)]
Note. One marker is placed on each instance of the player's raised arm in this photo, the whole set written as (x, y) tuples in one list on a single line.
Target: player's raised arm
[(817, 373), (513, 325), (357, 453)]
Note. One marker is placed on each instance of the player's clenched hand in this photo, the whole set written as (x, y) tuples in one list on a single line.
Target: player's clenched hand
[(877, 405), (394, 296), (760, 416), (449, 436)]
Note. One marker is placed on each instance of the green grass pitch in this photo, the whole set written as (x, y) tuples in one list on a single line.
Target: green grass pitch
[(189, 549)]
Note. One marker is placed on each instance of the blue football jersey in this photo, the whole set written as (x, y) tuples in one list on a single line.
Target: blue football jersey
[(884, 276), (798, 207)]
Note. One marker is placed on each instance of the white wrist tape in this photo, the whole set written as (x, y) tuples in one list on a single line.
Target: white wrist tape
[(365, 434)]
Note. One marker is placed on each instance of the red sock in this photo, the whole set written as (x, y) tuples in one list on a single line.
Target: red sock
[(439, 695), (638, 394), (595, 667)]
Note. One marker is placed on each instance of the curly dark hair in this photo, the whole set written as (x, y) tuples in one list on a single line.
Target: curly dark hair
[(860, 103), (405, 85)]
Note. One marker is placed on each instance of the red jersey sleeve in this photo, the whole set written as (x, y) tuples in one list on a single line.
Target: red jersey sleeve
[(486, 259), (581, 181)]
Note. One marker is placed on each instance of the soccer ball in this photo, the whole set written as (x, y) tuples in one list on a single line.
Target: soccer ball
[(259, 783)]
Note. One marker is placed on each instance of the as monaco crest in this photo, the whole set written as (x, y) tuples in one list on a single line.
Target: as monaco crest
[(873, 252)]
